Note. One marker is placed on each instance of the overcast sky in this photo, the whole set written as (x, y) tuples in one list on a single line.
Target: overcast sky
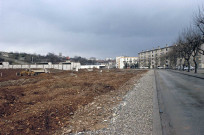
[(92, 28)]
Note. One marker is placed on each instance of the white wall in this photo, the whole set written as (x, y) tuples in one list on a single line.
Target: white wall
[(91, 66), (121, 63), (25, 66), (71, 66)]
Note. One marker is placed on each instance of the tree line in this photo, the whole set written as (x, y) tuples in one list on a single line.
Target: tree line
[(50, 57)]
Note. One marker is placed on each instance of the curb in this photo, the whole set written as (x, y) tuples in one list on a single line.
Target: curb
[(157, 129), (196, 76)]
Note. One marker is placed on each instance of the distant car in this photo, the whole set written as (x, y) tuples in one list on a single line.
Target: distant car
[(191, 68), (160, 67), (144, 67)]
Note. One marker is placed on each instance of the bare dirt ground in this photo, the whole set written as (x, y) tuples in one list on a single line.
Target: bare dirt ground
[(62, 102)]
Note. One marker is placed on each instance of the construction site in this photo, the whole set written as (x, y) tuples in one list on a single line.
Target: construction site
[(61, 101)]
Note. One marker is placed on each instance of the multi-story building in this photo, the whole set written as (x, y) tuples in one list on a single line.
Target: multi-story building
[(126, 62), (157, 58), (154, 58)]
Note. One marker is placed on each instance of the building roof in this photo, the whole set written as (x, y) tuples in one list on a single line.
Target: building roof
[(126, 57), (156, 49)]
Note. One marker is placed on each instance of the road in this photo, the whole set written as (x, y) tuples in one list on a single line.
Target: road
[(181, 103)]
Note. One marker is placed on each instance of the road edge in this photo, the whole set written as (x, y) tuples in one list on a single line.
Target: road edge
[(157, 129), (196, 75)]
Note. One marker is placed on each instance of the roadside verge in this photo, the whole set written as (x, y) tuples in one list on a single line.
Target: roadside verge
[(157, 129)]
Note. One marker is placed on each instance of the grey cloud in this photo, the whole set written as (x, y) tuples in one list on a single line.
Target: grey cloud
[(100, 28)]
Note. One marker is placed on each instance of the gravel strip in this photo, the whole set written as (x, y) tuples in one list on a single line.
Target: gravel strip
[(134, 116)]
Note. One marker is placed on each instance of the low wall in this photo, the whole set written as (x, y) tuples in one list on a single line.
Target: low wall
[(70, 66), (91, 66)]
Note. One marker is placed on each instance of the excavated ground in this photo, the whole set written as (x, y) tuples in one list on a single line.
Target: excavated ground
[(61, 102)]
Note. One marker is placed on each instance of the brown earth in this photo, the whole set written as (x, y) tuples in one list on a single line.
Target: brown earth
[(63, 102), (9, 74)]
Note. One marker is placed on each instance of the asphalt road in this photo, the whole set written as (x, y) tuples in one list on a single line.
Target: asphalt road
[(181, 103)]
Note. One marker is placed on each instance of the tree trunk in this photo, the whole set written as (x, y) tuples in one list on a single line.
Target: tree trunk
[(196, 65), (188, 66), (183, 67), (180, 64)]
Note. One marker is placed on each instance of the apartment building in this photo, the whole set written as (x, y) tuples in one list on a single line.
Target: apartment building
[(157, 58), (126, 62), (154, 58)]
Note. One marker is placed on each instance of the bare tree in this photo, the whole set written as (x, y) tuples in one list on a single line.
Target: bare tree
[(189, 43), (180, 55), (163, 59), (199, 22), (185, 47), (195, 41), (126, 65), (172, 56)]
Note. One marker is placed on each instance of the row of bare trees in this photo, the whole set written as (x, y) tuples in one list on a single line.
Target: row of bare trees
[(189, 43)]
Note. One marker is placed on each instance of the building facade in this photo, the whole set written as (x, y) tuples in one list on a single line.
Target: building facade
[(154, 58), (123, 62), (158, 58)]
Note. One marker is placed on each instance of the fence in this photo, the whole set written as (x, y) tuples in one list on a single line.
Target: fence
[(64, 66), (92, 66)]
